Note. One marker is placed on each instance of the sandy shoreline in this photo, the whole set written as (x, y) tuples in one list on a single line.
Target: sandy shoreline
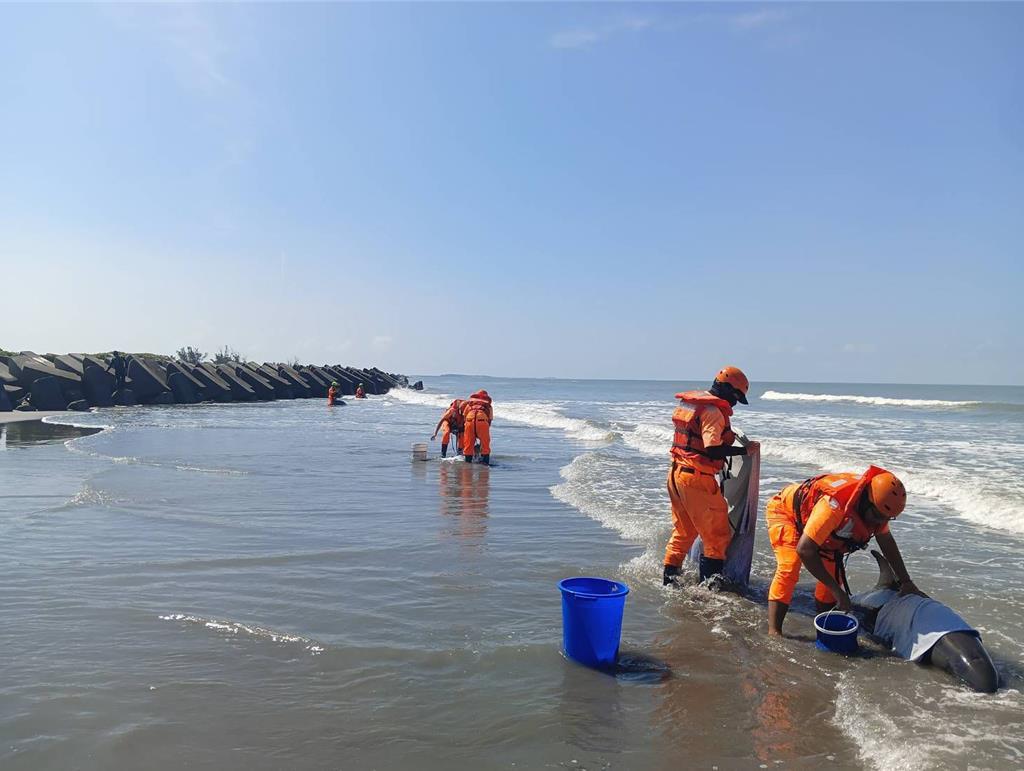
[(23, 417)]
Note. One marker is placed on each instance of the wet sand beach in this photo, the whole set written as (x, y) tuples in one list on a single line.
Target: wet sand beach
[(279, 586)]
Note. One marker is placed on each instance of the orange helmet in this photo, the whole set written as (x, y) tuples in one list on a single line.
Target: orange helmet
[(887, 494), (734, 376)]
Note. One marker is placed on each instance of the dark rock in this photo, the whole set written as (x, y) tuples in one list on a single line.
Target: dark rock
[(47, 395), (282, 388), (6, 405), (418, 385), (28, 369), (148, 382), (185, 370), (346, 383), (240, 390), (97, 384), (68, 364), (125, 398), (25, 406), (15, 392), (181, 388), (264, 391), (214, 386), (317, 384), (6, 376), (299, 386), (80, 406), (165, 398)]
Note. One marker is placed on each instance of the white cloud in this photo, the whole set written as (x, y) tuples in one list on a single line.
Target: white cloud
[(755, 19), (858, 348), (584, 37)]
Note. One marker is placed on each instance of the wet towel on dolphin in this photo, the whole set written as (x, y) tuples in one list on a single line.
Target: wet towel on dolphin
[(740, 490), (911, 624)]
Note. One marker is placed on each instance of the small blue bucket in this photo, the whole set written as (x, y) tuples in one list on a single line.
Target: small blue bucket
[(592, 619), (837, 631)]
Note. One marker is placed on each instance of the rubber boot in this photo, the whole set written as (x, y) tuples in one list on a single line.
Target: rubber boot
[(710, 567), (669, 576), (485, 459), (444, 451), (467, 458)]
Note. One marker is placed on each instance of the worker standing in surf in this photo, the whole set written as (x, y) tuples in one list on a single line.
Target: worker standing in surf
[(818, 522), (332, 394), (360, 391), (703, 440), (451, 424), (478, 414)]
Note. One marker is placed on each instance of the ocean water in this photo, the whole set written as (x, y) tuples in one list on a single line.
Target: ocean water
[(279, 586)]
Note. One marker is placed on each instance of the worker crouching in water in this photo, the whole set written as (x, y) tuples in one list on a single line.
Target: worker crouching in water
[(703, 440), (819, 521), (478, 414), (451, 424), (360, 391)]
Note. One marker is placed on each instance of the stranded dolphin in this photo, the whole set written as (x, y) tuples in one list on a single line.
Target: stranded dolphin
[(924, 630)]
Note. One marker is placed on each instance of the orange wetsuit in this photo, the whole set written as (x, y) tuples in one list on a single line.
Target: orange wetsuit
[(698, 506), (478, 414), (824, 509)]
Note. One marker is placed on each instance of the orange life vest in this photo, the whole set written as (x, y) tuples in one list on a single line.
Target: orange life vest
[(332, 394), (456, 420), (843, 491), (477, 405), (688, 442), (360, 393)]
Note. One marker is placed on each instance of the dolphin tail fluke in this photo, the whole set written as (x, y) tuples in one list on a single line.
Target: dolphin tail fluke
[(886, 577)]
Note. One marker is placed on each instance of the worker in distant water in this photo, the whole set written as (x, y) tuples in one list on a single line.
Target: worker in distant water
[(120, 366), (332, 393), (360, 392), (703, 440), (478, 414), (451, 423), (818, 522)]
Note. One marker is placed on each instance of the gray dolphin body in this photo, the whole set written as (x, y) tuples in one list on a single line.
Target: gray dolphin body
[(925, 630)]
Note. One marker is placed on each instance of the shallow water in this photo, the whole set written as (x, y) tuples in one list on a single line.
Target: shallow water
[(279, 586)]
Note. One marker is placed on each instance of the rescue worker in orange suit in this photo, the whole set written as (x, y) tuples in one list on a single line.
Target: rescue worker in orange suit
[(478, 414), (452, 422), (360, 392), (703, 440), (817, 522), (332, 393)]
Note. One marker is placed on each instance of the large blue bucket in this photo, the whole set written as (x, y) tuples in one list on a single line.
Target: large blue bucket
[(837, 631), (592, 619)]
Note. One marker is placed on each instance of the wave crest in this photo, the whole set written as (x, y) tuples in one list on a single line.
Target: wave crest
[(877, 401)]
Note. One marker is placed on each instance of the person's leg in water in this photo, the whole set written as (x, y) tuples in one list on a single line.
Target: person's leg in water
[(710, 515), (469, 439), (683, 531), (483, 430), (446, 433)]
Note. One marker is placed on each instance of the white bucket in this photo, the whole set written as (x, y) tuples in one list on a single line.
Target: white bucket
[(419, 451)]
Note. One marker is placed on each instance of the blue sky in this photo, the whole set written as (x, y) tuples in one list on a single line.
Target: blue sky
[(823, 192)]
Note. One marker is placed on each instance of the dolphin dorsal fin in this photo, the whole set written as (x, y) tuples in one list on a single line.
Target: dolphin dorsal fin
[(886, 578)]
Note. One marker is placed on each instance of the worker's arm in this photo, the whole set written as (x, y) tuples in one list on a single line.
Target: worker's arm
[(721, 451), (891, 552), (808, 552), (712, 430), (438, 426)]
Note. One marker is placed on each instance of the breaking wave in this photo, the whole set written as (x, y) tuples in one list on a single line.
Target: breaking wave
[(882, 401), (970, 496), (537, 414)]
